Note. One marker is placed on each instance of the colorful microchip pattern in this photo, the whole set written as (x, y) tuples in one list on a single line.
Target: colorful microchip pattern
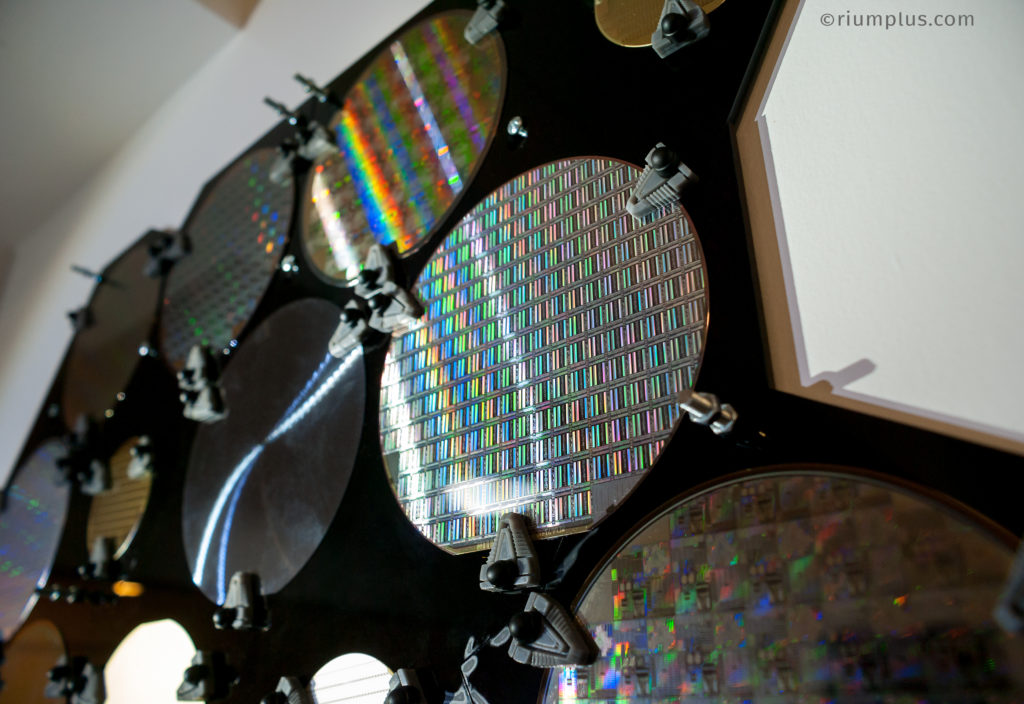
[(799, 589), (31, 526), (238, 234), (543, 377), (411, 134)]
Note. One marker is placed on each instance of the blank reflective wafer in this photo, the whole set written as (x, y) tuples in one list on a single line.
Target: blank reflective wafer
[(117, 512), (631, 23), (799, 588), (264, 483), (353, 678), (411, 134), (31, 526), (543, 377), (238, 232)]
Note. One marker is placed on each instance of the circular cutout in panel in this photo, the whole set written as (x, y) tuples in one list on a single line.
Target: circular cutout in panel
[(27, 661), (631, 23), (543, 377), (411, 135), (264, 483), (353, 678), (238, 233), (105, 353), (147, 665), (799, 588), (31, 526), (117, 512)]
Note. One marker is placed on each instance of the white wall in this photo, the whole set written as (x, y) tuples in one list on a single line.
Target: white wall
[(154, 178), (898, 168)]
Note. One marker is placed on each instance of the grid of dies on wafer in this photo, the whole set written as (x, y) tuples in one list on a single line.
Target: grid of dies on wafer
[(237, 235), (558, 332)]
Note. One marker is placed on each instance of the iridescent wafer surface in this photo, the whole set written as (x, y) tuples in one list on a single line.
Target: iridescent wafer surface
[(799, 589), (411, 134), (31, 526), (543, 376), (238, 234)]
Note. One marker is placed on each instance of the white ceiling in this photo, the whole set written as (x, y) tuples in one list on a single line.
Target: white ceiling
[(77, 79)]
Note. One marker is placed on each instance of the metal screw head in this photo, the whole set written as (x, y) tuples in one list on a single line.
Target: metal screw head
[(288, 265), (515, 127)]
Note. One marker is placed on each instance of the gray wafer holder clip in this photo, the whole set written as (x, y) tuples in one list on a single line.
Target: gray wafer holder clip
[(80, 465), (379, 304), (166, 248), (77, 681), (545, 635), (660, 184), (485, 20), (245, 607), (404, 687), (208, 677), (512, 564), (289, 691), (102, 564), (682, 23), (200, 388), (141, 463)]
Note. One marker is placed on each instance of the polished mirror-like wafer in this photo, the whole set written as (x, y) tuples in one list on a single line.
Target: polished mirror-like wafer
[(263, 484)]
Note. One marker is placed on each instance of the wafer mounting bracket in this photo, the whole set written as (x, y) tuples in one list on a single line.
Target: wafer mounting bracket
[(682, 23), (660, 184), (512, 564)]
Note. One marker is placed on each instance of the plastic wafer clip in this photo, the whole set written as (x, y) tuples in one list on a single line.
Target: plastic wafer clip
[(660, 184), (512, 563), (682, 23)]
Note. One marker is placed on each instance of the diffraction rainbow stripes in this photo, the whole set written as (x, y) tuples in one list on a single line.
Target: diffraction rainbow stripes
[(31, 526), (799, 588), (238, 234), (411, 134), (543, 377)]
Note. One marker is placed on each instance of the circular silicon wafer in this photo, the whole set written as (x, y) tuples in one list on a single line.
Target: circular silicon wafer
[(31, 526), (802, 586), (631, 23), (264, 483), (238, 231), (117, 512), (105, 352), (412, 132), (542, 378)]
